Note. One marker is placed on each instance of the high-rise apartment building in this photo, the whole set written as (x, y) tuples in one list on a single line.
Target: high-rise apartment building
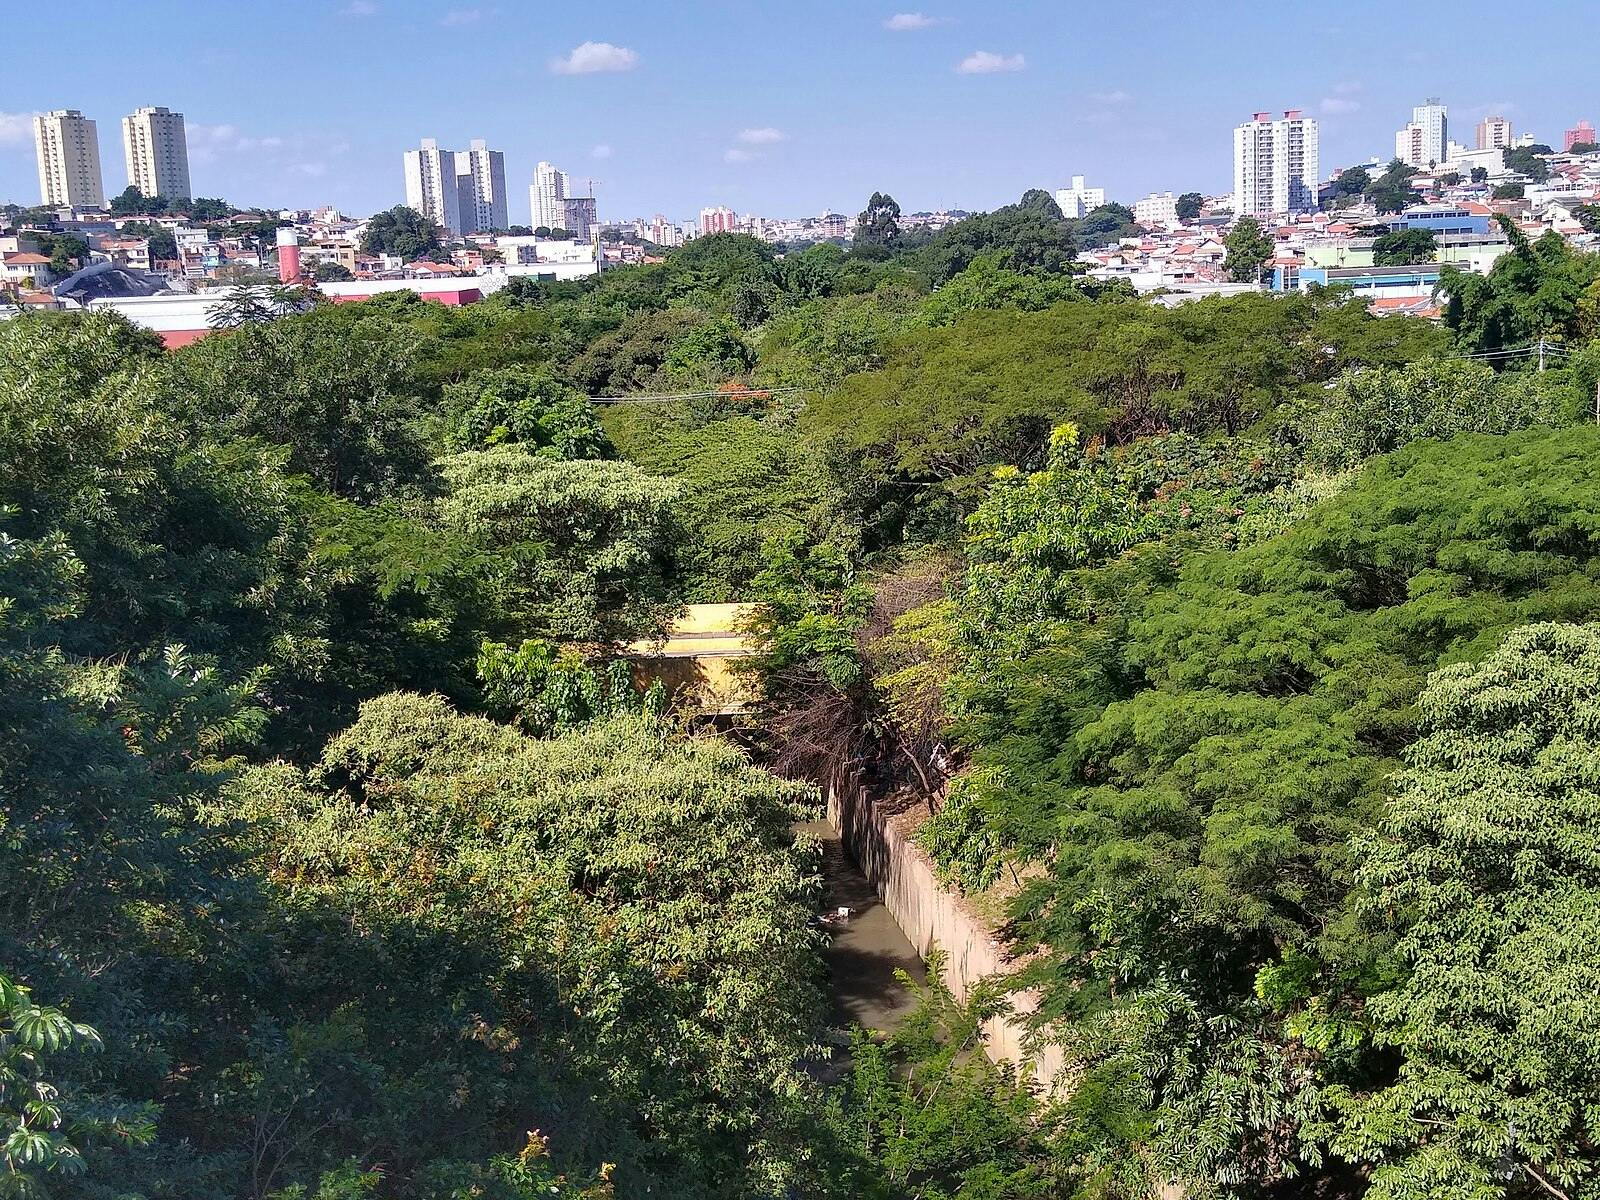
[(481, 188), (580, 217), (718, 220), (156, 152), (1275, 165), (1079, 200), (1494, 133), (432, 186), (1424, 141), (547, 197), (1580, 134), (68, 147)]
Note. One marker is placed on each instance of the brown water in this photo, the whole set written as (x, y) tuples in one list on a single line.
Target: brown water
[(866, 947)]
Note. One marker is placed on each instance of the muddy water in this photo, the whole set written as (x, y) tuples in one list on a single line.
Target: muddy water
[(866, 947)]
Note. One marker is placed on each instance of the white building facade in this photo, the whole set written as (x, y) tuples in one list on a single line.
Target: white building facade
[(1158, 208), (156, 151), (1079, 200), (68, 148), (1276, 165), (432, 187), (1424, 141), (547, 197), (481, 188)]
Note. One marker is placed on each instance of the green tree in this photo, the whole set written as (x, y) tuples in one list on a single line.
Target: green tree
[(1027, 237), (985, 285), (524, 405), (332, 387), (1588, 215), (582, 549), (1249, 251), (1535, 291), (1404, 247), (878, 225), (1189, 205), (1583, 147), (1353, 181), (1527, 160), (256, 304), (131, 202), (1380, 409), (1508, 191), (40, 1128), (331, 272), (402, 231), (1392, 192), (1197, 742), (1479, 174), (1484, 862)]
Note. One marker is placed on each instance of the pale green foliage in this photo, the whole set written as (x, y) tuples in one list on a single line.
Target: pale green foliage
[(583, 547), (1031, 532), (1488, 860), (629, 908), (986, 284), (1382, 408)]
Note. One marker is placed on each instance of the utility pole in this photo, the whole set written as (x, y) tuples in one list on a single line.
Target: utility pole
[(1541, 355)]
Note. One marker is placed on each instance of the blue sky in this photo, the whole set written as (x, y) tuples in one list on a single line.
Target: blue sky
[(777, 107)]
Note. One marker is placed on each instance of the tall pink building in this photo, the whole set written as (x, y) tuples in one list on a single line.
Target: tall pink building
[(718, 220), (1579, 133)]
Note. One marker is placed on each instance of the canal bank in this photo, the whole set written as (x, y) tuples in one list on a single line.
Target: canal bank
[(878, 838)]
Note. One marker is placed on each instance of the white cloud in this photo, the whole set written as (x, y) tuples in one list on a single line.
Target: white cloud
[(600, 151), (986, 62), (209, 142), (761, 137), (1116, 96), (1334, 106), (595, 56), (912, 21), (314, 170), (358, 8), (737, 155), (457, 17), (1347, 88), (16, 129)]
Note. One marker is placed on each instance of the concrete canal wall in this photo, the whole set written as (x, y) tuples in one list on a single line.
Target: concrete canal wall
[(931, 915)]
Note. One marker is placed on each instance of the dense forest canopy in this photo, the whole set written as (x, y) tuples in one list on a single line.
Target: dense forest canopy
[(1241, 655)]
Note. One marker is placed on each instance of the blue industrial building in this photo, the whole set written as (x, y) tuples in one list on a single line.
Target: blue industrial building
[(1440, 219)]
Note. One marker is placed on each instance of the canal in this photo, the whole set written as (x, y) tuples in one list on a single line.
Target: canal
[(866, 947)]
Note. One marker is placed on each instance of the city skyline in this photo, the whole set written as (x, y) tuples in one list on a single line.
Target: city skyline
[(942, 112)]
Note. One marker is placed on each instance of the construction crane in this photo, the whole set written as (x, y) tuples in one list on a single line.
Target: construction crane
[(594, 233)]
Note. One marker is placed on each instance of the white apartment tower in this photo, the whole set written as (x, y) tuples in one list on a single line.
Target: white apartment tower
[(1275, 165), (547, 197), (69, 159), (1494, 133), (1079, 200), (1424, 140), (481, 188), (156, 152), (432, 186)]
